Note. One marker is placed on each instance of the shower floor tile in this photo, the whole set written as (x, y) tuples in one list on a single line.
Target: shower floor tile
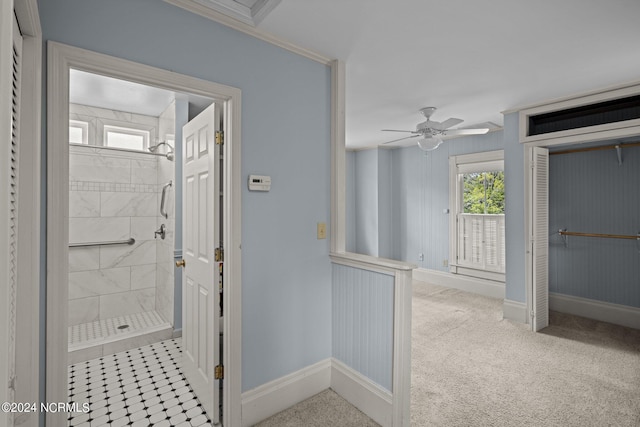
[(87, 333), (143, 386)]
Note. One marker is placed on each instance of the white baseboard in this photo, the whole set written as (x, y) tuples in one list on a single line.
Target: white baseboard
[(488, 288), (514, 310), (362, 393), (597, 310), (277, 395)]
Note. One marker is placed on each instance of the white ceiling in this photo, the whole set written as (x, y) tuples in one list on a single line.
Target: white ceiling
[(121, 95), (106, 92), (471, 59)]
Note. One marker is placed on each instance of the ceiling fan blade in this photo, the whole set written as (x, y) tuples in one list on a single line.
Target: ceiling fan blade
[(446, 124), (460, 132), (396, 140), (396, 130)]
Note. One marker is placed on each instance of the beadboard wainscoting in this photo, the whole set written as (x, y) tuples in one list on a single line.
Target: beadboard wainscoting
[(371, 346), (371, 329)]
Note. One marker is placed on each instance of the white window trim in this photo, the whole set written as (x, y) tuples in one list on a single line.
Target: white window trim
[(465, 163), (85, 130), (128, 130)]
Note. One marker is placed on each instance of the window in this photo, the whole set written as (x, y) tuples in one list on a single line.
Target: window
[(127, 138), (78, 132), (119, 130), (478, 220)]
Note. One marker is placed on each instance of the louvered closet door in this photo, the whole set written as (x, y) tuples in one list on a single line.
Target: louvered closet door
[(13, 195), (540, 233)]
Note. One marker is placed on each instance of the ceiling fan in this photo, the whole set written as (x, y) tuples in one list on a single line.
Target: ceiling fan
[(430, 132)]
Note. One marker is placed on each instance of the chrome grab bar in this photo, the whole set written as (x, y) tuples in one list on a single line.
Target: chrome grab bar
[(131, 241), (163, 210)]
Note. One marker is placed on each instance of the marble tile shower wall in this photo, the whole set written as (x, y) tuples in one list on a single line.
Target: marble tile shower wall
[(164, 248), (113, 195)]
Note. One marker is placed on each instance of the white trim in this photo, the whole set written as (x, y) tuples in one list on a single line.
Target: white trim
[(337, 229), (236, 10), (488, 288), (284, 392), (514, 310), (598, 310), (361, 392), (61, 58), (403, 286), (367, 262), (465, 163), (478, 274), (573, 96), (401, 368), (223, 19), (583, 134)]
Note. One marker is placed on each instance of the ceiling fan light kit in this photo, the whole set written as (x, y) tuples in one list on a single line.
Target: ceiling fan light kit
[(429, 144), (431, 132)]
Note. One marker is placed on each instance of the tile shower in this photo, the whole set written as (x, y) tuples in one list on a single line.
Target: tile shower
[(120, 296)]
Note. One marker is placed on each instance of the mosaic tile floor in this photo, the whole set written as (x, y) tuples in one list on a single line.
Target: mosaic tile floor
[(139, 387), (87, 333)]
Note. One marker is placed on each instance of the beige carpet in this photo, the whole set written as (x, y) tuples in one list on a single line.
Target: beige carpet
[(325, 409), (471, 368)]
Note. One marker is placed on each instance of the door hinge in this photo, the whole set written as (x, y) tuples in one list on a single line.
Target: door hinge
[(219, 372), (219, 254), (219, 137)]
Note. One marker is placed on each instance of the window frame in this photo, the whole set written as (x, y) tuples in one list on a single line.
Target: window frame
[(125, 130), (461, 164), (84, 125)]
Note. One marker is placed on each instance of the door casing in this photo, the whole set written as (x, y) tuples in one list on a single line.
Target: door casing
[(61, 58)]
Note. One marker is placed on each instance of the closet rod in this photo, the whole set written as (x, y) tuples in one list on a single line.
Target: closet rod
[(609, 236), (603, 147)]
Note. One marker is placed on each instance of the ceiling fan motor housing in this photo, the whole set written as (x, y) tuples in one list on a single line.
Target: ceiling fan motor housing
[(427, 111)]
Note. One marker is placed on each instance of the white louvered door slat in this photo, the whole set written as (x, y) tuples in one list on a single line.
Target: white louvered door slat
[(540, 233), (14, 151)]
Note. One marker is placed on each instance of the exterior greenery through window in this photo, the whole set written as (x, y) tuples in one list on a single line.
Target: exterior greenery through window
[(483, 193), (477, 230)]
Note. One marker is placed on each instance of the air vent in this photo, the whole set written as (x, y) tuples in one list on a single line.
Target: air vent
[(597, 116), (601, 113)]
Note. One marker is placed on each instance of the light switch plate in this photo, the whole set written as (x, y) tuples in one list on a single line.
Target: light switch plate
[(322, 230)]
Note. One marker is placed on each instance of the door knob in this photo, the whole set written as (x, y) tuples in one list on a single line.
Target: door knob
[(181, 263)]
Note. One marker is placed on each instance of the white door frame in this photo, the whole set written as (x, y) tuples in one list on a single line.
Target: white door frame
[(60, 59)]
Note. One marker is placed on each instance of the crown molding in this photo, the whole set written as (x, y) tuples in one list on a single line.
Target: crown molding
[(221, 18)]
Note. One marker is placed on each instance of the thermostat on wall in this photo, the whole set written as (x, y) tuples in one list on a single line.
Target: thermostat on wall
[(259, 183)]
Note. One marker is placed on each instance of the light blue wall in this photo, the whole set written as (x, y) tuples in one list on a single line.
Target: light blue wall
[(350, 201), (385, 204), (413, 194), (589, 192), (419, 186), (366, 205), (363, 322), (515, 286), (286, 289)]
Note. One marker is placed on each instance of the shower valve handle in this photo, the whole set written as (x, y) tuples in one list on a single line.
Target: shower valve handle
[(181, 263)]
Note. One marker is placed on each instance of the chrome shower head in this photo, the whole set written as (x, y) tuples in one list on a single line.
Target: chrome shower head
[(169, 154)]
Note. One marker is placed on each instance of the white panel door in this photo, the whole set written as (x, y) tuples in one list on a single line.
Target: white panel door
[(540, 238), (200, 225)]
